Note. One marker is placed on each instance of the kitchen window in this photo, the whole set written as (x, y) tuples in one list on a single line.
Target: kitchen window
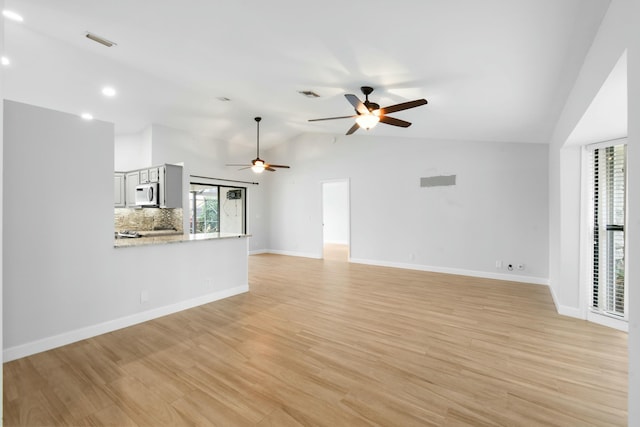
[(217, 209)]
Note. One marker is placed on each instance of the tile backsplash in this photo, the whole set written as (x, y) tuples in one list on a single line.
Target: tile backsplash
[(147, 219)]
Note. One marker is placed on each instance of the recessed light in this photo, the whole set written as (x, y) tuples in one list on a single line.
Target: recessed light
[(108, 91), (12, 15), (5, 61), (87, 116)]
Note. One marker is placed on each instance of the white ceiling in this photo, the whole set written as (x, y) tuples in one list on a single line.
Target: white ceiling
[(497, 70)]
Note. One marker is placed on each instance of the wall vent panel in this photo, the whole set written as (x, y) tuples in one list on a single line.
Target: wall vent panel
[(438, 181)]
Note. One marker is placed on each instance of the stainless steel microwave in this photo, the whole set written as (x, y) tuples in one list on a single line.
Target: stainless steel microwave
[(147, 194)]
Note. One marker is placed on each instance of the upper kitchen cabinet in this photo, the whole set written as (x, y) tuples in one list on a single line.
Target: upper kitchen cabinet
[(154, 175), (119, 190), (132, 181), (150, 175), (170, 178)]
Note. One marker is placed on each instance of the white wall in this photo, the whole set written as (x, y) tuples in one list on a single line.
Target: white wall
[(335, 212), (62, 286), (634, 213), (617, 33), (133, 151), (1, 199), (499, 202)]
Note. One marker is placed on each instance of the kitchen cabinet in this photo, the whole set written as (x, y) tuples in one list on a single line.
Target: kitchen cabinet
[(170, 178), (150, 175), (154, 174), (119, 190), (132, 180)]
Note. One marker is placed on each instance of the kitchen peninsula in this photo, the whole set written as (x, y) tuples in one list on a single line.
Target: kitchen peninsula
[(164, 238), (75, 285)]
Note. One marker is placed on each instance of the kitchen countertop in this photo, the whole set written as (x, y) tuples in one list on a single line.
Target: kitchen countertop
[(164, 238)]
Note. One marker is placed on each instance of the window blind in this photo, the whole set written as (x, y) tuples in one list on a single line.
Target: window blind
[(608, 178)]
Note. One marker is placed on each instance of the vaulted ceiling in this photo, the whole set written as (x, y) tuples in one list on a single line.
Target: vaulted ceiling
[(495, 70)]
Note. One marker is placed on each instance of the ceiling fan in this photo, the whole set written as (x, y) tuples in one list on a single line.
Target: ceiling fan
[(368, 113), (258, 165)]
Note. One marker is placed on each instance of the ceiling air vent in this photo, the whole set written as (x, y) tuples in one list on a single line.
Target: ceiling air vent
[(309, 93), (100, 40)]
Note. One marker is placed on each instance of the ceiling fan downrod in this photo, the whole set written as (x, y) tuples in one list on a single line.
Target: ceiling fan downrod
[(257, 119)]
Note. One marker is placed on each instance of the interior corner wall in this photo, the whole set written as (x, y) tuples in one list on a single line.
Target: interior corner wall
[(499, 202), (617, 32), (564, 171)]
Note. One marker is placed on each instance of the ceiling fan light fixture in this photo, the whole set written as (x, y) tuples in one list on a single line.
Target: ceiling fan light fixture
[(367, 121), (258, 166)]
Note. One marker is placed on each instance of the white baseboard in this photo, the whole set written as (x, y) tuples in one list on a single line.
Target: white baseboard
[(565, 310), (610, 322), (458, 271), (258, 252), (65, 338), (337, 242), (298, 254)]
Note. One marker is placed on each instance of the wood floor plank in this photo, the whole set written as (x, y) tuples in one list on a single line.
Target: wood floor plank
[(329, 343)]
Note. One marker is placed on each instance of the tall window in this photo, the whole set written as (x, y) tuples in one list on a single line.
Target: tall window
[(217, 209), (608, 179)]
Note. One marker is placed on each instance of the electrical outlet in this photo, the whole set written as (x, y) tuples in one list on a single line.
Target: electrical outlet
[(499, 264), (208, 282), (144, 297)]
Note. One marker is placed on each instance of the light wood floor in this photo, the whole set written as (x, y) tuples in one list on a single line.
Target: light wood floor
[(328, 343), (335, 252)]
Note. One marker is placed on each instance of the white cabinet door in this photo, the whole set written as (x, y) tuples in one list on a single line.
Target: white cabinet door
[(132, 181), (171, 186), (118, 190), (144, 176), (154, 175)]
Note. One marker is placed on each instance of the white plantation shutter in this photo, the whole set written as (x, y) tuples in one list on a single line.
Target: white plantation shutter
[(608, 180)]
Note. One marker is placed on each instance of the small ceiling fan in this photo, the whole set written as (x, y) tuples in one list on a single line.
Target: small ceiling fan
[(258, 165), (368, 113)]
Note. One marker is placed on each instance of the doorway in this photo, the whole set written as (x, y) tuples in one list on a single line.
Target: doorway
[(335, 220)]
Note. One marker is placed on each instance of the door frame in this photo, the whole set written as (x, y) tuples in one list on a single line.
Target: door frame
[(347, 181)]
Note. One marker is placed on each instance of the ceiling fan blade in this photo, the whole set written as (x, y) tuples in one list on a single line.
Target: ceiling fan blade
[(353, 128), (246, 167), (270, 169), (332, 118), (357, 104), (394, 122), (402, 106), (277, 166)]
